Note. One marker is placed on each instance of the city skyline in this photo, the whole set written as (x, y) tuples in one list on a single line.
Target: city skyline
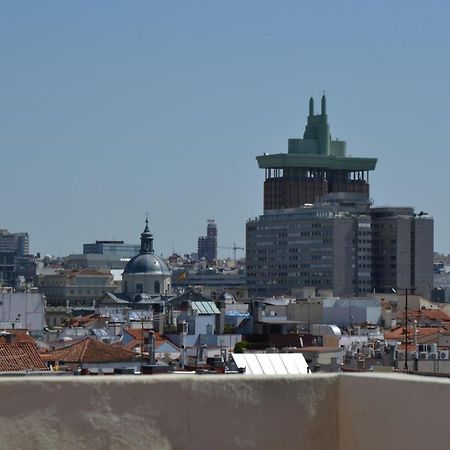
[(112, 111)]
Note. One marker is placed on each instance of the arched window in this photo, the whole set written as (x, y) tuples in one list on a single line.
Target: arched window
[(125, 286), (157, 288), (139, 288)]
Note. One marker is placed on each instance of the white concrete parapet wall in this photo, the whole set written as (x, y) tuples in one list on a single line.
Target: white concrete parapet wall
[(330, 412), (393, 412)]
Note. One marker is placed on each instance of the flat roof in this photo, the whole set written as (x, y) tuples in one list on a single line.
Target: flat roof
[(281, 160)]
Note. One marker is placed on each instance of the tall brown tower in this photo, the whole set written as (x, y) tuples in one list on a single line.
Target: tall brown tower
[(313, 167)]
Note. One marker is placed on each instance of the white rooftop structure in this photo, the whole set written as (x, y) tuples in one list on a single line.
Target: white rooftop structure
[(271, 363)]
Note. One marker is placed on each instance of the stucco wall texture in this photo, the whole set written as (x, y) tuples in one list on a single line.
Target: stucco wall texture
[(220, 412)]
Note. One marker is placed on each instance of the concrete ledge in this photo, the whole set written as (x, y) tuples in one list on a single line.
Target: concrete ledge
[(313, 412), (169, 412), (393, 412)]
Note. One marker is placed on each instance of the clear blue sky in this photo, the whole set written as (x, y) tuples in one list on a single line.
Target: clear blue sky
[(111, 109)]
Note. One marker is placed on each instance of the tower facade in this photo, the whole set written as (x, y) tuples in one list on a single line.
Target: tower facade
[(320, 246), (207, 245), (402, 250), (319, 230), (116, 248), (14, 249), (313, 167), (17, 243)]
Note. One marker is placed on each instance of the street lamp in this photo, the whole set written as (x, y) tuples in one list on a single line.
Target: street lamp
[(405, 367)]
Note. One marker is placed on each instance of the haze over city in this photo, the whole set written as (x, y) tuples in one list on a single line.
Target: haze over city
[(111, 110)]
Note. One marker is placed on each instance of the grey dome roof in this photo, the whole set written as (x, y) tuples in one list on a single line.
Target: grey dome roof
[(147, 263)]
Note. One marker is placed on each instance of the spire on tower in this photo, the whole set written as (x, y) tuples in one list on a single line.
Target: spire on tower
[(311, 106), (324, 104), (146, 239)]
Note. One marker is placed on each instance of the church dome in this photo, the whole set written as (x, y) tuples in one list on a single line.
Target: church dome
[(147, 261)]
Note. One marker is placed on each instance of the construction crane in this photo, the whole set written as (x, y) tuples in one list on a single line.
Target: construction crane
[(234, 248)]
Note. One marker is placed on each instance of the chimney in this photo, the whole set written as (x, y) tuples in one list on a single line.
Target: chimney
[(256, 310), (220, 318), (10, 338), (158, 325), (151, 348)]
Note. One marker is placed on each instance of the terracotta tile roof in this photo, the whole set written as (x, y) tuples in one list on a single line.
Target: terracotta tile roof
[(20, 357), (398, 333), (90, 351), (19, 335), (94, 272), (84, 321), (136, 342), (430, 314), (136, 333)]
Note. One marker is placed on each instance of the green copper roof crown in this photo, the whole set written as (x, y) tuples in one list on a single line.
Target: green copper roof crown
[(316, 149)]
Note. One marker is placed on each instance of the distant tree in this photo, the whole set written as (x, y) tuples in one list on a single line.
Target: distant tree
[(241, 346)]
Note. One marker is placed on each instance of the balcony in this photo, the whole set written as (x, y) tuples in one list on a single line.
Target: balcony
[(345, 411)]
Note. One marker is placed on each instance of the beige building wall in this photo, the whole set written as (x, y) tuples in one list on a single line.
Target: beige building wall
[(307, 311), (314, 412)]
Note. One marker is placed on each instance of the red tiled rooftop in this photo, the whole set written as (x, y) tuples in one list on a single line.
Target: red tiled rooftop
[(90, 351), (18, 334), (20, 357), (136, 333), (84, 321), (430, 314), (93, 272), (398, 332)]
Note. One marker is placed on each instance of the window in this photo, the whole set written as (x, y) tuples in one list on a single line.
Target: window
[(139, 288), (156, 287)]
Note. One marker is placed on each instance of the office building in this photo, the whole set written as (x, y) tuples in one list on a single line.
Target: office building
[(95, 261), (75, 287), (207, 245), (402, 250), (17, 243), (318, 228), (103, 255), (116, 248), (14, 249), (324, 246)]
